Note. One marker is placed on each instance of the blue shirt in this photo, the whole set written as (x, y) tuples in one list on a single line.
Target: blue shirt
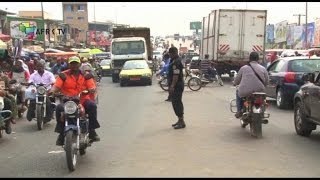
[(165, 68)]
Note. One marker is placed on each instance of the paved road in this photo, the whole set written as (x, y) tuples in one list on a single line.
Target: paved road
[(137, 140)]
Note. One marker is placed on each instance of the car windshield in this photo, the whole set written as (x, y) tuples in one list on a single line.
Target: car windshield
[(128, 47), (195, 58), (105, 62), (135, 65), (304, 65)]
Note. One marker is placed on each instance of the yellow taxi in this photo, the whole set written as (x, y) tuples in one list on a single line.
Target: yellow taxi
[(135, 71)]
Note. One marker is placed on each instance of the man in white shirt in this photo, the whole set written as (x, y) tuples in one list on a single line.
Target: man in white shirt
[(40, 76)]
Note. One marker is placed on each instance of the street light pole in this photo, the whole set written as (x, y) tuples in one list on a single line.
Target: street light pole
[(299, 18), (44, 36), (306, 35)]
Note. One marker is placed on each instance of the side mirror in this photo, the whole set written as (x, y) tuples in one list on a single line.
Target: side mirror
[(308, 77)]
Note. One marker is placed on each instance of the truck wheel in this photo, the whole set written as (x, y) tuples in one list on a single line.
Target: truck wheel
[(301, 123)]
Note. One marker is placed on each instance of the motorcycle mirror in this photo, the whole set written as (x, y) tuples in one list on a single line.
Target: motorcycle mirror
[(13, 81)]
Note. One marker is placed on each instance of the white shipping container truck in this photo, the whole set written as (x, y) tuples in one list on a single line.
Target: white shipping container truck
[(230, 35)]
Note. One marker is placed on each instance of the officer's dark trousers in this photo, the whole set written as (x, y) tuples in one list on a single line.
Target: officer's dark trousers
[(90, 108), (177, 101)]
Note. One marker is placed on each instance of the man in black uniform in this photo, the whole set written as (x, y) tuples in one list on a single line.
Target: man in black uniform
[(176, 82)]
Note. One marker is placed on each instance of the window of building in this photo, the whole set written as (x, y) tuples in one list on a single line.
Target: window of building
[(81, 7), (80, 18), (69, 8), (69, 18)]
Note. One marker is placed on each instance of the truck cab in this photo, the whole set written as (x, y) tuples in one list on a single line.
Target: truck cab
[(125, 49)]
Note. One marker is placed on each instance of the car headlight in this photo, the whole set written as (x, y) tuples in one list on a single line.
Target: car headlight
[(70, 107), (41, 90)]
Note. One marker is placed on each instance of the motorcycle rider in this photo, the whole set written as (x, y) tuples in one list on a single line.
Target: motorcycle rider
[(7, 106), (4, 80), (21, 75), (71, 83), (47, 78), (58, 67), (249, 81)]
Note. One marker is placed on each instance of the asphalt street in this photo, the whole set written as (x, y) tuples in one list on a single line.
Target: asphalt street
[(137, 140)]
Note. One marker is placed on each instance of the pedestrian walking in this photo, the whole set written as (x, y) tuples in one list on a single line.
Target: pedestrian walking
[(176, 82)]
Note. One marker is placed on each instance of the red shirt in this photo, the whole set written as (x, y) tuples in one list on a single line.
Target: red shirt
[(73, 86)]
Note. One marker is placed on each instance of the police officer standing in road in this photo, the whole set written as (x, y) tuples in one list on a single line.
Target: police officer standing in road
[(176, 82)]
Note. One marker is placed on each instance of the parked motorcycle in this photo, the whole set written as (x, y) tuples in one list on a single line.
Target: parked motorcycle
[(38, 103), (253, 113), (5, 116), (76, 130), (197, 82)]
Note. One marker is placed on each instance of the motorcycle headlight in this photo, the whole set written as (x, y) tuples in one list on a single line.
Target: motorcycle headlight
[(70, 107), (41, 90)]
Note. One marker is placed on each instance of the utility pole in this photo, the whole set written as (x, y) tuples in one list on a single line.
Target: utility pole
[(44, 36), (306, 36), (95, 24), (299, 18)]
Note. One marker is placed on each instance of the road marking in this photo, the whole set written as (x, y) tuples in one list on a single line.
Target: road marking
[(55, 152)]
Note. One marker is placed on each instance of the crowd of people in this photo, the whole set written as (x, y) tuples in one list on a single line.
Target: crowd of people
[(69, 76)]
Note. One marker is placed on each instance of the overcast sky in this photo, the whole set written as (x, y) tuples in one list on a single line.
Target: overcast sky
[(167, 18)]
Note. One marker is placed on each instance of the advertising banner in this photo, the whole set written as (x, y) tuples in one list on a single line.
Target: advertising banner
[(281, 32), (270, 33)]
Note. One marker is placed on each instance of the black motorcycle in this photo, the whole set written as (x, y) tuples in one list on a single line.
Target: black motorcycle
[(76, 129)]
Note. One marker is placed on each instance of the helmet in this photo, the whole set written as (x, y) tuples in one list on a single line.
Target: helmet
[(74, 59)]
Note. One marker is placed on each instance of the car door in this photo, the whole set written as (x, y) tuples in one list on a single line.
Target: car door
[(314, 93), (271, 87)]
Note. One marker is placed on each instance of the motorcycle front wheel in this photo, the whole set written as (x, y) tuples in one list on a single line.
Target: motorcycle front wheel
[(71, 150), (195, 84), (219, 80), (40, 110)]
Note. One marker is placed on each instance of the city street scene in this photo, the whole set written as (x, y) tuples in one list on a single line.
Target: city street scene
[(141, 89)]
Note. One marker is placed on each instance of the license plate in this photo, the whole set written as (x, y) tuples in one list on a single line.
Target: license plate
[(135, 78)]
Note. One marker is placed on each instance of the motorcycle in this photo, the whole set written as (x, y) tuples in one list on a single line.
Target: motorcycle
[(198, 81), (76, 130), (253, 113), (5, 116), (163, 80), (38, 103)]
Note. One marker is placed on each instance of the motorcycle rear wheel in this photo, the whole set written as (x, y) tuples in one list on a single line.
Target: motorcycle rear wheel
[(71, 151), (256, 125)]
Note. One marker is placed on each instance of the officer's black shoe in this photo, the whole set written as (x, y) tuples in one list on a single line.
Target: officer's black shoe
[(94, 136), (180, 126), (169, 100), (60, 140)]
